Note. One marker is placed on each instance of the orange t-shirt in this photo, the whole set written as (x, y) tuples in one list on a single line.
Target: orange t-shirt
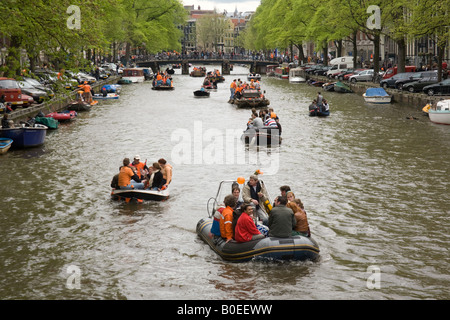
[(125, 175)]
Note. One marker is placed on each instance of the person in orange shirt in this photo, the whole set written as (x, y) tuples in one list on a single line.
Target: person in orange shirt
[(141, 167), (226, 218), (126, 175), (232, 89), (87, 92)]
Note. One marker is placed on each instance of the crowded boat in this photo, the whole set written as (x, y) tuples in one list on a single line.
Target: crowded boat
[(244, 224), (247, 95), (139, 181)]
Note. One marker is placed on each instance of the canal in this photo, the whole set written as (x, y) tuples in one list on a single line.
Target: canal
[(374, 181)]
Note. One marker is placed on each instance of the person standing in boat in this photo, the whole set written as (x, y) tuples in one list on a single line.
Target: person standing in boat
[(166, 170), (245, 227), (255, 192), (126, 175), (232, 89), (319, 100)]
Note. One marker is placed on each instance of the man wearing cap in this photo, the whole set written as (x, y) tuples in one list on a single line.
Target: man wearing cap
[(255, 192), (141, 167)]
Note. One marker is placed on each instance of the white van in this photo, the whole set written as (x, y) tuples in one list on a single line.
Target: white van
[(339, 64)]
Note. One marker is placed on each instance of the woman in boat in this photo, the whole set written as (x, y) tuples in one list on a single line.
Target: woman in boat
[(301, 227), (245, 227)]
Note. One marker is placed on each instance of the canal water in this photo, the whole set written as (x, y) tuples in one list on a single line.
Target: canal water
[(374, 182)]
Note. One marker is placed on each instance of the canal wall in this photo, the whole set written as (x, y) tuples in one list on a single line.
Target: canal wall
[(58, 103), (414, 99)]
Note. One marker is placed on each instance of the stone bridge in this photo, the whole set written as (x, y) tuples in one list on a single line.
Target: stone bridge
[(256, 66)]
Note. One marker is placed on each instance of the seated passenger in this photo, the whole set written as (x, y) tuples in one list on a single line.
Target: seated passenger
[(302, 226), (245, 227), (128, 179), (155, 177)]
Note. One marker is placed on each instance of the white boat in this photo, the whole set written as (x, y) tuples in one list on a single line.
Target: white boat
[(441, 113), (377, 95), (295, 75), (133, 74)]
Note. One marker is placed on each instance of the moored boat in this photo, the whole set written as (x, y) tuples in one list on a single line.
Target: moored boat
[(112, 88), (342, 87), (377, 96), (440, 113), (297, 248), (109, 96), (63, 115), (5, 144), (295, 76), (328, 86), (282, 72), (133, 74), (25, 137), (47, 121)]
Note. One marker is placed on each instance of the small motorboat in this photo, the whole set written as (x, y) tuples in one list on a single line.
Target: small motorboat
[(198, 72), (163, 87), (5, 144), (254, 76), (47, 121), (25, 136), (139, 194), (79, 106), (377, 96), (296, 248), (250, 98), (124, 81), (201, 93), (328, 86), (342, 87), (267, 136), (109, 96), (62, 116), (316, 111), (295, 75), (112, 88), (440, 114)]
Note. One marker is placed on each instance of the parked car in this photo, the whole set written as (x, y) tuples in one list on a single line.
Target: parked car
[(366, 75), (10, 90), (390, 82), (37, 95), (313, 68), (27, 100), (49, 77), (40, 86), (442, 87), (393, 71), (322, 71), (348, 75), (415, 77), (418, 85)]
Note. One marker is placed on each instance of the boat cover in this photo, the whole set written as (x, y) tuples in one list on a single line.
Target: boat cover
[(376, 92)]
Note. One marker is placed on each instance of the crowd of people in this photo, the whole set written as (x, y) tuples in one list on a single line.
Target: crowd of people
[(265, 118), (137, 175), (162, 79), (254, 217), (237, 86)]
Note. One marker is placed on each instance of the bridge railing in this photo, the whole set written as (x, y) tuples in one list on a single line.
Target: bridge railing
[(208, 56)]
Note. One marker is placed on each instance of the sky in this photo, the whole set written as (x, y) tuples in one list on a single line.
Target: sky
[(220, 5)]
